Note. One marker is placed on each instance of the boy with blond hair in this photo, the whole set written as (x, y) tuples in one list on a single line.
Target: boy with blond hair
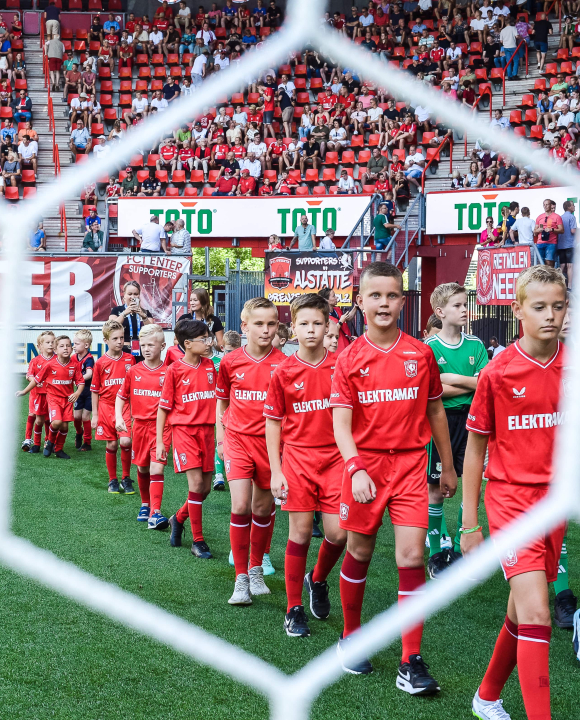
[(37, 405), (460, 359), (514, 416), (82, 412), (108, 376)]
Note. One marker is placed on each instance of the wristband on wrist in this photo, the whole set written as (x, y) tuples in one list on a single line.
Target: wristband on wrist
[(355, 464), (469, 531), (220, 443)]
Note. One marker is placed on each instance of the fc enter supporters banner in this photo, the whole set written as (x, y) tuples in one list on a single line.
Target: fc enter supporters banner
[(497, 270), (64, 289), (464, 211), (290, 274), (230, 217)]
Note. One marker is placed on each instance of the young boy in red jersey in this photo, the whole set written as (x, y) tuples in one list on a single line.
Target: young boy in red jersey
[(310, 475), (386, 395), (82, 412), (37, 406), (243, 382), (59, 375), (515, 411), (141, 389), (108, 376), (187, 404), (331, 337)]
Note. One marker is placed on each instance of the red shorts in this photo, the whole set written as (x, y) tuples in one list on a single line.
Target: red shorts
[(54, 64), (193, 447), (246, 456), (106, 427), (32, 401), (60, 410), (399, 478), (144, 442), (38, 405), (314, 477), (504, 503)]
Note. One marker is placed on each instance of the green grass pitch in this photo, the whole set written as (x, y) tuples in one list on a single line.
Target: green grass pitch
[(62, 661)]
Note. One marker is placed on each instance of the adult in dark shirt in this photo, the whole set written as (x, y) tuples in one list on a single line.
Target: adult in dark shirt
[(172, 40), (416, 67), (52, 20), (541, 29), (151, 186), (275, 15), (171, 90), (396, 14), (507, 175), (351, 83), (232, 164), (96, 30), (391, 113), (369, 43), (200, 309), (132, 316)]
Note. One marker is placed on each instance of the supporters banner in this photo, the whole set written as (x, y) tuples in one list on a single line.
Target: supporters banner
[(497, 270), (464, 211), (221, 217), (290, 274), (62, 289)]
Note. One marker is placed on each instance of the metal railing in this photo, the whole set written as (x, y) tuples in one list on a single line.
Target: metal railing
[(515, 56), (364, 225), (486, 91), (408, 233), (437, 157)]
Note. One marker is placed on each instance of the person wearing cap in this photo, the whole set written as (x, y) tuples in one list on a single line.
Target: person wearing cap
[(101, 149), (72, 82), (231, 163), (129, 184), (80, 139), (78, 109), (140, 105), (247, 185), (226, 184)]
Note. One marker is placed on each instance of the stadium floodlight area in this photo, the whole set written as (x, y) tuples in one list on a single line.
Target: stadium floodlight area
[(290, 696)]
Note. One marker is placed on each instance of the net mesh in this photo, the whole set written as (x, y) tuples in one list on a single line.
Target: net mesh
[(290, 696)]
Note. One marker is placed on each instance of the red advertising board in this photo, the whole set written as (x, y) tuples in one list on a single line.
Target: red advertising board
[(497, 270), (57, 289)]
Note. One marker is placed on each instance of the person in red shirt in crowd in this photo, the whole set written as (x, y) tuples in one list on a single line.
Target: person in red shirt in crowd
[(266, 190), (16, 30), (58, 375), (202, 157), (108, 375), (380, 18), (386, 395), (113, 41), (338, 22), (226, 184), (309, 478), (191, 414), (285, 184), (141, 390), (268, 92), (219, 152), (437, 54), (185, 156), (238, 149), (348, 99), (167, 155), (407, 132), (247, 184), (275, 152), (243, 381), (518, 396), (548, 227), (329, 99), (206, 122), (130, 24), (382, 184), (255, 116)]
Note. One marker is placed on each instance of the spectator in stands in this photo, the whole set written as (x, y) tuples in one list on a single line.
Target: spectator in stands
[(8, 137), (310, 155), (93, 110), (202, 156), (101, 149), (129, 184), (54, 51), (96, 30), (139, 106), (180, 243), (5, 92), (151, 237), (495, 347), (401, 190), (155, 40), (78, 109), (140, 40), (247, 185), (286, 101), (490, 234), (117, 132), (52, 19), (11, 171), (88, 80), (206, 34), (320, 134), (383, 226), (159, 103), (548, 227), (345, 184), (305, 233), (167, 155), (80, 139), (28, 153), (172, 40), (94, 238), (566, 241), (251, 163), (72, 82), (507, 174), (92, 218), (37, 240), (522, 231), (226, 185), (19, 67), (151, 186), (499, 121), (198, 67), (105, 57), (510, 40), (187, 44), (183, 17), (541, 30), (171, 90), (414, 165), (544, 109), (453, 57), (474, 178)]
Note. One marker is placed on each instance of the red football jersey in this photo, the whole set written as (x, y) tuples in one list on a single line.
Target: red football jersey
[(189, 393), (109, 374), (59, 380), (185, 154), (516, 404), (256, 117), (168, 152), (221, 151), (34, 368), (141, 388), (244, 382), (299, 394), (266, 190), (388, 391), (239, 151), (278, 149), (173, 354), (329, 101)]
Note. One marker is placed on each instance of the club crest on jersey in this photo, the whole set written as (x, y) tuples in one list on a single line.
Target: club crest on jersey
[(127, 368), (410, 368), (210, 378), (183, 458), (511, 558), (99, 430), (227, 467), (364, 372), (343, 511), (71, 372), (471, 360), (519, 394), (161, 379), (132, 454), (299, 386), (240, 376)]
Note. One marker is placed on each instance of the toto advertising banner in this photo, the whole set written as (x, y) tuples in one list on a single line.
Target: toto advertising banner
[(464, 211), (290, 274), (497, 270), (244, 217), (62, 289)]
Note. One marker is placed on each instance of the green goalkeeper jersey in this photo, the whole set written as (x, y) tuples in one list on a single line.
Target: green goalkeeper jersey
[(468, 358)]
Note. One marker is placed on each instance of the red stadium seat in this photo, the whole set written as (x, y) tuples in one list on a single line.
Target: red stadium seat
[(302, 190), (5, 112), (172, 192), (196, 177), (28, 192), (540, 84), (110, 114), (272, 175), (178, 177), (516, 117), (368, 189), (333, 190), (28, 177), (520, 131), (374, 139), (160, 72), (566, 67), (331, 158), (97, 129), (364, 156), (537, 131), (105, 72), (152, 160), (347, 157), (562, 54), (94, 47), (551, 69), (142, 175), (530, 117), (528, 101), (141, 85), (213, 176), (189, 192), (300, 71), (399, 154), (157, 59), (20, 84), (357, 141), (125, 72), (238, 99), (315, 83), (294, 176), (125, 100), (136, 161), (173, 59), (11, 193), (207, 191), (319, 190), (95, 6), (144, 72), (311, 176), (328, 175), (303, 98)]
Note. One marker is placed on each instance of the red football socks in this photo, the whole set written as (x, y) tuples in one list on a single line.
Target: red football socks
[(78, 426), (328, 555), (87, 432), (143, 480), (183, 513), (126, 461), (111, 460), (259, 534), (37, 435), (534, 669), (47, 430), (156, 490), (502, 662), (272, 521), (194, 503), (29, 426), (240, 541), (294, 571), (409, 580), (51, 434), (60, 440), (353, 577)]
